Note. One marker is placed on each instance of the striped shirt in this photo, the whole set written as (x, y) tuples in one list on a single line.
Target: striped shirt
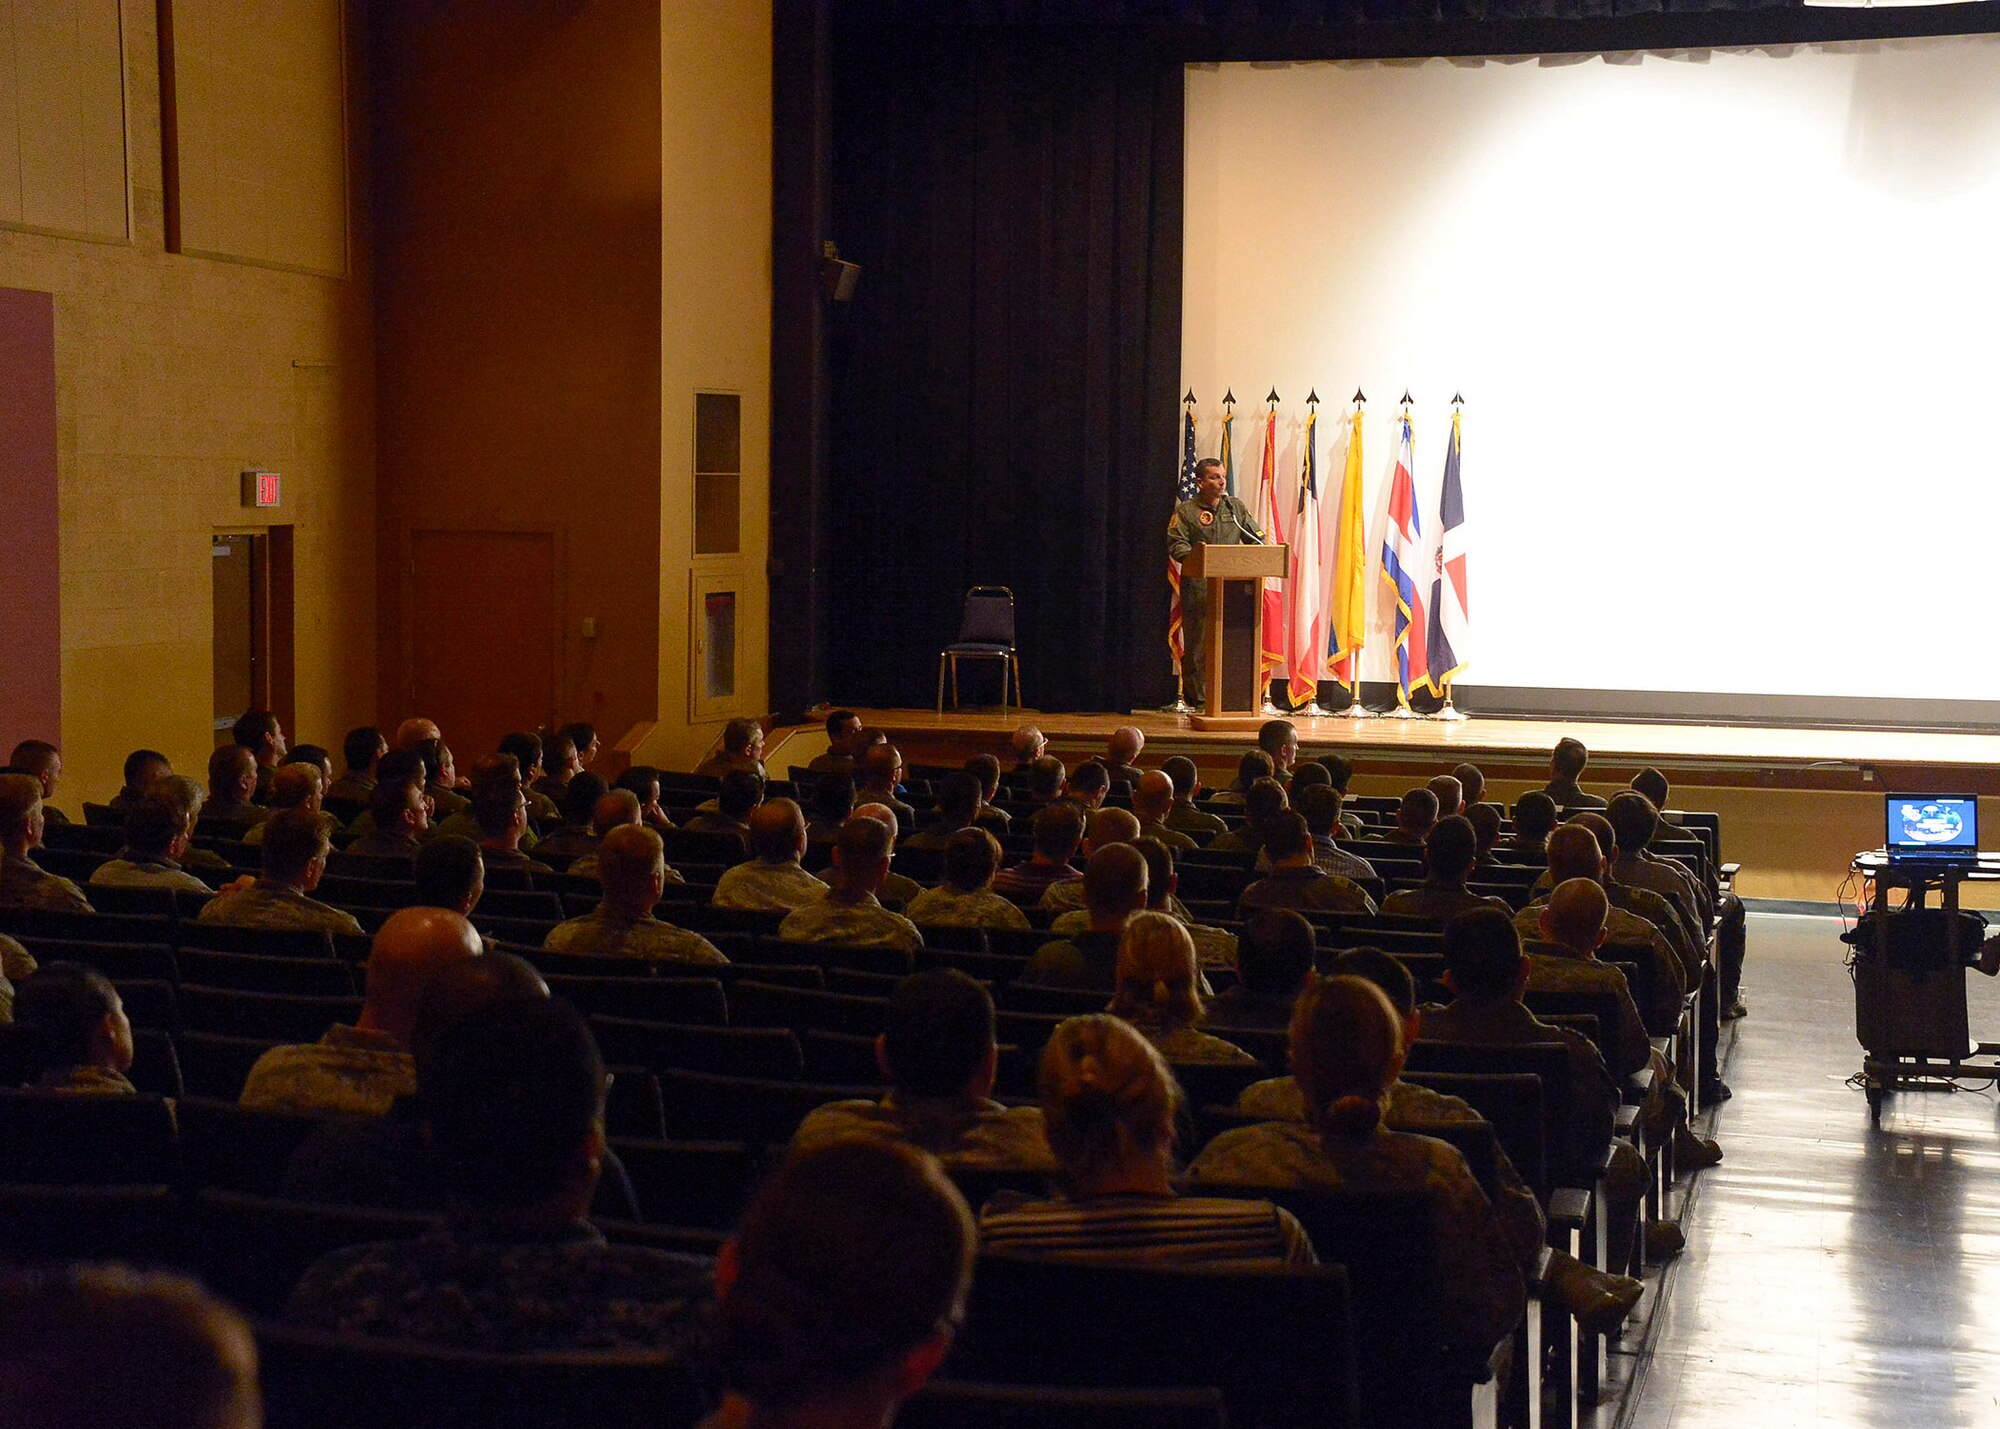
[(1164, 1230)]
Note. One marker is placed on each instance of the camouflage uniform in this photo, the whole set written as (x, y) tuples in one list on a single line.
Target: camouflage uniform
[(1213, 947), (898, 889), (978, 1135), (85, 1082), (721, 762), (607, 933), (460, 823), (1557, 969), (1187, 1044), (767, 887), (269, 905), (1186, 818), (348, 1072), (1085, 960), (1172, 837), (130, 870), (863, 924), (1439, 900), (1309, 891), (471, 1288), (1227, 523), (350, 788), (24, 884), (946, 907), (1634, 940), (1479, 1284), (1672, 883), (378, 843), (1238, 840)]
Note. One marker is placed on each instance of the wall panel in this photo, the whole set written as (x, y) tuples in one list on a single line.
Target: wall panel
[(62, 117)]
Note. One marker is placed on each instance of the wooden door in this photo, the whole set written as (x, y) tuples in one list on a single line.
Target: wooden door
[(482, 643)]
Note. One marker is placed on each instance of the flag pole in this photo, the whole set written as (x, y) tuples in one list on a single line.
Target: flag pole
[(1449, 713), (1179, 705), (1403, 710), (1355, 709), (1312, 708), (1269, 708)]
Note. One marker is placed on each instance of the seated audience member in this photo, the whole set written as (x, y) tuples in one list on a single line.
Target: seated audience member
[(616, 810), (315, 755), (742, 747), (1634, 822), (1114, 888), (957, 808), (399, 812), (501, 810), (17, 965), (415, 730), (576, 836), (881, 783), (939, 1053), (1152, 804), (986, 770), (1340, 774), (896, 890), (1566, 765), (1158, 992), (233, 779), (108, 1347), (295, 852), (1535, 816), (560, 764), (1450, 850), (360, 750), (1213, 947), (1563, 958), (1185, 818), (505, 769), (157, 834), (361, 1070), (1088, 786), (1058, 829), (1109, 1103), (1102, 828), (1471, 784), (441, 780), (1320, 808), (735, 797), (1279, 738), (849, 913), (843, 746), (832, 801), (513, 1105), (526, 749), (806, 1335), (258, 731), (965, 897), (642, 781), (1028, 745), (1273, 957), (142, 767), (1295, 881), (1121, 753), (1415, 817), (1309, 775), (23, 883), (1485, 821), (1347, 1052), (583, 734), (1262, 806), (186, 797), (632, 868), (42, 762), (772, 881), (1047, 781), (293, 786), (1250, 768), (1725, 909), (78, 1037), (1450, 795), (450, 874), (1574, 853)]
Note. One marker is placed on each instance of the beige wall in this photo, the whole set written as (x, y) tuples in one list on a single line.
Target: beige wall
[(715, 334), (174, 373)]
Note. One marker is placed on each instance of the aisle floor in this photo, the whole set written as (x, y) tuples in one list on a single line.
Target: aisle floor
[(1836, 1274)]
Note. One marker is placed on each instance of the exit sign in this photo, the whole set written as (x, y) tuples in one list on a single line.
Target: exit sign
[(260, 488)]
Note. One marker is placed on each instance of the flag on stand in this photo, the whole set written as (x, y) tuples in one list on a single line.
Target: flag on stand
[(1306, 587), (1183, 491), (1271, 658), (1403, 569), (1227, 454), (1449, 644), (1347, 592)]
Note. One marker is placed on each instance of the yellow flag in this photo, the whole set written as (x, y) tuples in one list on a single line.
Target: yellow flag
[(1349, 605)]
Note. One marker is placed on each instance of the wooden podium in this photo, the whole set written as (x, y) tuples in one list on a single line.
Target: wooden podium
[(1219, 565)]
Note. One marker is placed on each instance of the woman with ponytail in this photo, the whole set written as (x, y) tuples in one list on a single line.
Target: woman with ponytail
[(1108, 1102), (1347, 1050), (1158, 992)]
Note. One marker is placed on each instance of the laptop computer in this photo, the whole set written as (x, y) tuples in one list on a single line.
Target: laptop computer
[(1931, 828)]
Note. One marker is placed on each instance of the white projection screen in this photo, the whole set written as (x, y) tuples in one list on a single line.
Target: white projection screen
[(1725, 324)]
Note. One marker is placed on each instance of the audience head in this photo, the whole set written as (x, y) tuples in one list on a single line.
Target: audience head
[(1450, 795), (316, 756), (986, 770), (559, 758), (296, 786), (20, 810), (399, 800), (833, 798), (632, 868), (1417, 812), (42, 760), (1186, 777), (1575, 851), (1633, 819), (1058, 830), (1125, 743), (1347, 1051), (620, 806), (466, 986), (582, 734), (1114, 883), (1153, 796), (1263, 802), (843, 731), (1338, 769), (1157, 971), (258, 732), (97, 1346), (415, 730), (1289, 843), (180, 793), (1160, 879), (1275, 952), (881, 766), (232, 775), (1279, 739), (1485, 821), (743, 739), (527, 751), (1607, 839), (861, 853), (1568, 758), (1319, 805), (156, 826), (580, 796), (450, 873), (1482, 956), (362, 746), (408, 950), (1108, 1100), (1090, 783), (1028, 744), (642, 782), (1471, 782), (1046, 777), (72, 1017), (1110, 826), (500, 808), (1535, 817), (958, 799), (1653, 784), (1307, 776), (295, 848), (937, 1038), (1450, 849), (142, 767), (1251, 767), (1388, 973), (1574, 915), (971, 858), (739, 792), (778, 831), (803, 1323)]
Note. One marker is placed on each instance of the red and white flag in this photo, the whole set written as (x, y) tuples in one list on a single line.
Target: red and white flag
[(1306, 612)]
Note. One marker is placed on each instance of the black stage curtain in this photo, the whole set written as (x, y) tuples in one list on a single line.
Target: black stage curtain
[(997, 384)]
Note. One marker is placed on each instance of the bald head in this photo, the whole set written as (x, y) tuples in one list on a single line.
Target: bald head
[(409, 951), (1028, 744), (1114, 883), (1574, 853), (1153, 797), (881, 814), (1112, 826), (1126, 742), (778, 831), (1575, 914), (413, 732)]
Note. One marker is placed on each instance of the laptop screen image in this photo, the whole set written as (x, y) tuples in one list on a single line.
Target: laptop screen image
[(1932, 825)]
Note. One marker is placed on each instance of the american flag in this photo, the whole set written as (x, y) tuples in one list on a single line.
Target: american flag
[(1183, 491)]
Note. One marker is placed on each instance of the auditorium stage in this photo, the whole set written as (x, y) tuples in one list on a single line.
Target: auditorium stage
[(1796, 803)]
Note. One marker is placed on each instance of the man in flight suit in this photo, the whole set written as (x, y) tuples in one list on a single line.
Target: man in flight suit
[(1215, 518)]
